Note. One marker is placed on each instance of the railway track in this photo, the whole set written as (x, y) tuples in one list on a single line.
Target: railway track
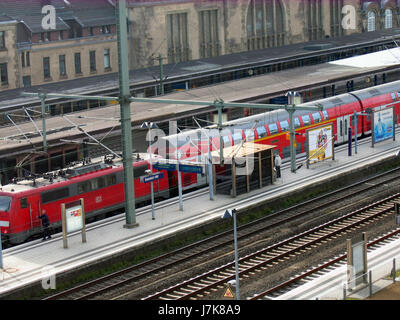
[(272, 255), (279, 290), (160, 265)]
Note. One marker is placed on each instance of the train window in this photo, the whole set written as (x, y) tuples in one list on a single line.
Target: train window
[(139, 171), (226, 140), (317, 117), (54, 195), (5, 203), (326, 116), (262, 132), (97, 183), (84, 187), (306, 119), (94, 184), (24, 203), (249, 134), (100, 182), (273, 128), (111, 179), (237, 137), (296, 123), (285, 125)]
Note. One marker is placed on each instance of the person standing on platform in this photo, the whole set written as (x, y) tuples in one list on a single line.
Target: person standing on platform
[(46, 225), (278, 163)]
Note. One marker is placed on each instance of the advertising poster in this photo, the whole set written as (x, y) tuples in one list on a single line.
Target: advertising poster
[(74, 218), (383, 125), (320, 144)]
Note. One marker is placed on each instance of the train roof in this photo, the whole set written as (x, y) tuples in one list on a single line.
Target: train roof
[(257, 120)]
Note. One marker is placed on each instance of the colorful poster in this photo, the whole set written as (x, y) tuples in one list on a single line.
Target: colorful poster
[(383, 125), (74, 218), (320, 144)]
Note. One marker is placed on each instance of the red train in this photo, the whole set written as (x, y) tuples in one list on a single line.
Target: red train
[(272, 127), (101, 184)]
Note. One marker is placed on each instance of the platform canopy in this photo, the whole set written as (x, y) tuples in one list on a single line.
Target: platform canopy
[(245, 150), (253, 170)]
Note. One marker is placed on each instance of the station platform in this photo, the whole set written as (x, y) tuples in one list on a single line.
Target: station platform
[(32, 262)]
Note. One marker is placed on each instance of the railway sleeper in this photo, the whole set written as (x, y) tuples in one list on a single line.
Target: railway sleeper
[(206, 281), (194, 288), (214, 279), (250, 263), (258, 261)]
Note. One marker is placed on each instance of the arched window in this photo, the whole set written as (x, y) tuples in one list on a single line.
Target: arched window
[(371, 21), (388, 19), (265, 24)]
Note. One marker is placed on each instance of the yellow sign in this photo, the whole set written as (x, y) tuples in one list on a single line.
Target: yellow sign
[(229, 293)]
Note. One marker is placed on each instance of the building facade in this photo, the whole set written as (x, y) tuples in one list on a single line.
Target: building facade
[(83, 42), (187, 30)]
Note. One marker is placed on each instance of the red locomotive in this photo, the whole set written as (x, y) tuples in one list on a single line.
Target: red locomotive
[(101, 184)]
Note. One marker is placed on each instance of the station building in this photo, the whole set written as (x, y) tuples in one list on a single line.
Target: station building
[(84, 43)]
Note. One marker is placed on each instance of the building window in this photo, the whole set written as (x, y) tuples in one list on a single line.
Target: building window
[(314, 19), (46, 67), (105, 29), (388, 19), (92, 57), (77, 59), (61, 60), (45, 36), (107, 62), (61, 35), (209, 40), (335, 7), (28, 59), (177, 35), (23, 59), (371, 21), (26, 81), (91, 32), (2, 40), (265, 24), (3, 74)]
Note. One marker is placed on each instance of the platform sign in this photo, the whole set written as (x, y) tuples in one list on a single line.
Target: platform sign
[(165, 166), (383, 125), (182, 167), (190, 168), (152, 177), (320, 144), (73, 219)]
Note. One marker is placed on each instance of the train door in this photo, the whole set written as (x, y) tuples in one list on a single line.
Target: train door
[(34, 211), (343, 124)]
